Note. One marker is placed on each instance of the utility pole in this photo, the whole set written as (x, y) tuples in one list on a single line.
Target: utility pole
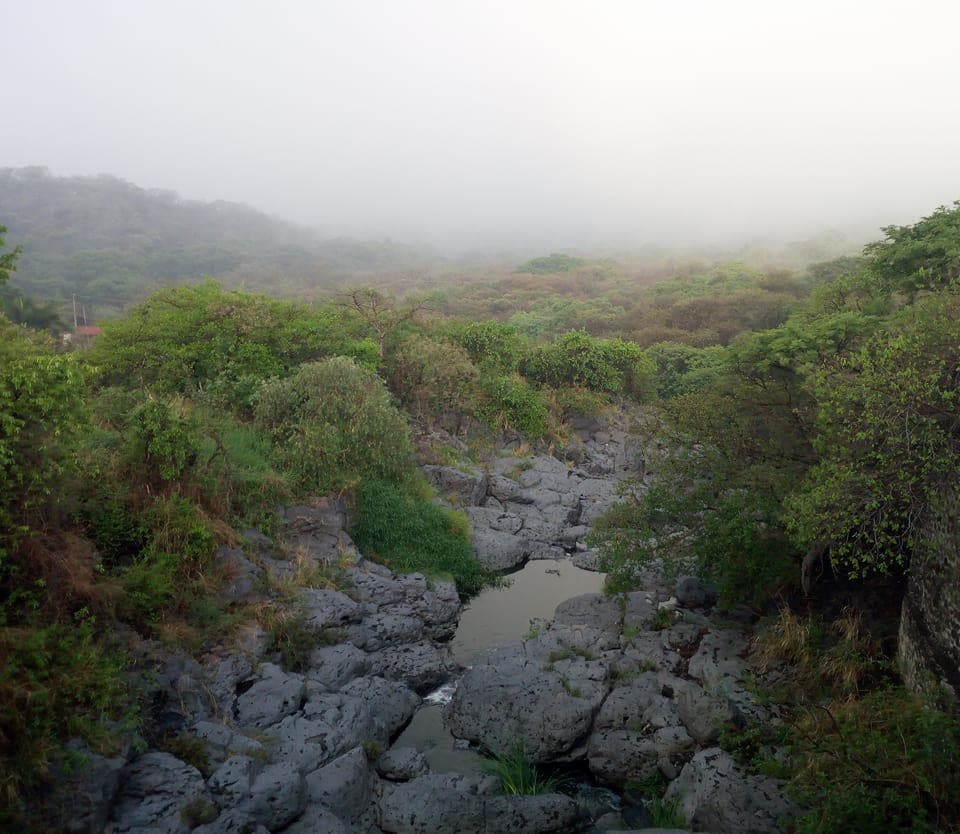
[(74, 311)]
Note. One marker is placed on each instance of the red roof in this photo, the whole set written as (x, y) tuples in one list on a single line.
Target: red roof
[(88, 330)]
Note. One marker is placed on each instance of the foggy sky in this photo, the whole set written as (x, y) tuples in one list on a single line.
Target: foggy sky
[(470, 124)]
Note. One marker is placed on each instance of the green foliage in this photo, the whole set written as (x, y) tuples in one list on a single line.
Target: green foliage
[(331, 423), (203, 338), (509, 402), (42, 413), (682, 369), (57, 681), (491, 344), (8, 260), (431, 378), (925, 255), (162, 442), (408, 533), (578, 359), (885, 763), (664, 814), (518, 775), (888, 437), (548, 264)]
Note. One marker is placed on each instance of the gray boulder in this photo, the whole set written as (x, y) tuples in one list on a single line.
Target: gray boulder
[(421, 666), (498, 551), (493, 703), (465, 487), (402, 764), (270, 699), (715, 795), (344, 785), (692, 592), (156, 791), (335, 666)]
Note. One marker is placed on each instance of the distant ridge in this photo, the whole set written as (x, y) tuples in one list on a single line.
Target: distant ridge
[(110, 242)]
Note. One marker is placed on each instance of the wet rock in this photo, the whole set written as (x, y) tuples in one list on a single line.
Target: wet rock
[(715, 795), (586, 560), (155, 790), (530, 814)]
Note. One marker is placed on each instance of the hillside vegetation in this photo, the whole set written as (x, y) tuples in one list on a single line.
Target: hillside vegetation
[(811, 419)]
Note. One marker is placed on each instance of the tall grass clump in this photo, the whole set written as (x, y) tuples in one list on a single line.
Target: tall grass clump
[(518, 775), (407, 533)]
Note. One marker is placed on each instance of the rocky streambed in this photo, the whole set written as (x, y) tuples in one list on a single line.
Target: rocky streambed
[(621, 687)]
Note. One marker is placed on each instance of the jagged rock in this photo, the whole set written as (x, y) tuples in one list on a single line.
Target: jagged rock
[(447, 804), (335, 666), (401, 764), (421, 666), (344, 785), (499, 551), (432, 804), (715, 795), (317, 819), (703, 713), (719, 658), (543, 814), (242, 576), (223, 742), (389, 627), (391, 704), (586, 560), (692, 592), (277, 795), (87, 792), (468, 487), (492, 704), (232, 821), (270, 699), (326, 608), (155, 790)]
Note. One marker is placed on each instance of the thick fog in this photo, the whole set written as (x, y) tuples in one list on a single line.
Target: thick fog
[(472, 124)]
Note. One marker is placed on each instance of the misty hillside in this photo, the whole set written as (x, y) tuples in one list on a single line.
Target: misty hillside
[(111, 242)]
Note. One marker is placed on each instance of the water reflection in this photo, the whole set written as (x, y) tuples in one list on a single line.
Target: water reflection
[(496, 617)]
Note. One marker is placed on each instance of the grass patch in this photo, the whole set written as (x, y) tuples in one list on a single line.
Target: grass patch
[(407, 533), (518, 775)]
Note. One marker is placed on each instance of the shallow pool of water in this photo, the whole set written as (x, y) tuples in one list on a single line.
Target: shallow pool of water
[(496, 617)]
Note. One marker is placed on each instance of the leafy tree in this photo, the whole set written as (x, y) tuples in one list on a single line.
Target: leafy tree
[(8, 260), (889, 438), (925, 255), (551, 263), (331, 423)]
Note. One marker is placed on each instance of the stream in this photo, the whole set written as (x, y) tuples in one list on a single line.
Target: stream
[(496, 617)]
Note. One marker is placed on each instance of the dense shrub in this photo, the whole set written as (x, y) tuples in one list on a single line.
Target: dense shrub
[(509, 402), (331, 423)]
